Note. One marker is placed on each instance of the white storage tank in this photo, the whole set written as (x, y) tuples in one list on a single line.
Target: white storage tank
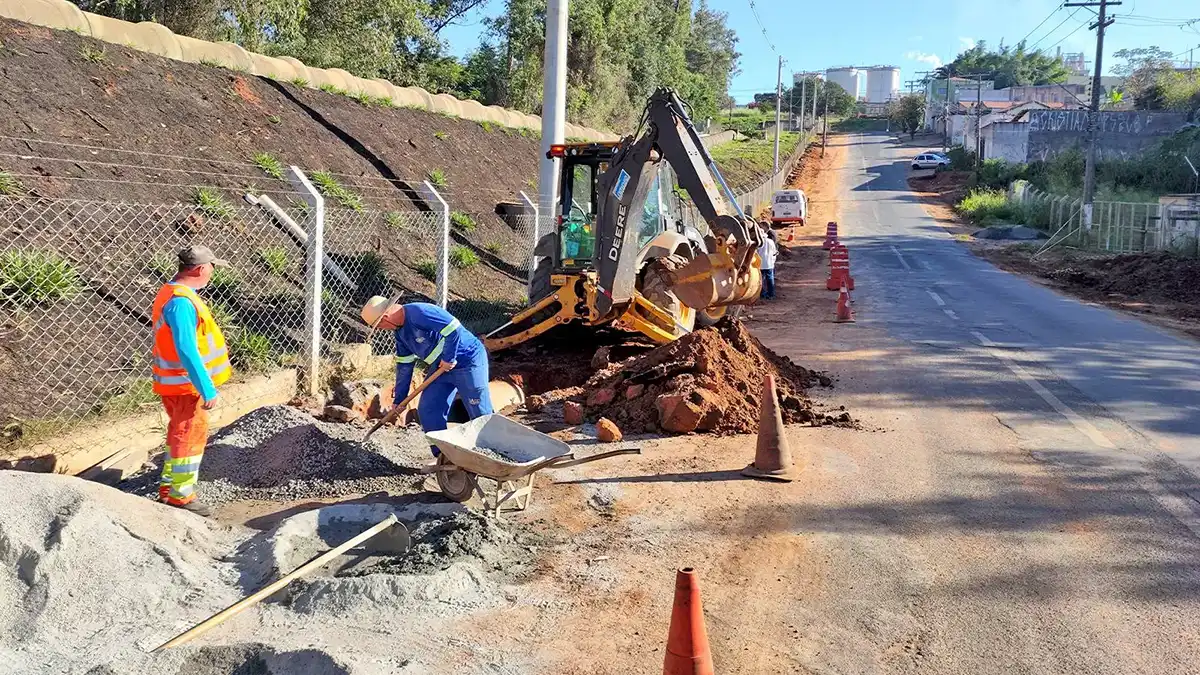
[(883, 84), (847, 78)]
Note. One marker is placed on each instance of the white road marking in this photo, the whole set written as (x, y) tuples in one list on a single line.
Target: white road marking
[(902, 260), (1085, 427), (937, 298), (1174, 504), (950, 313)]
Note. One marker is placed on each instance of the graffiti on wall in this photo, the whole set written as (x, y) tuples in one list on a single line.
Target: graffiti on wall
[(1132, 123)]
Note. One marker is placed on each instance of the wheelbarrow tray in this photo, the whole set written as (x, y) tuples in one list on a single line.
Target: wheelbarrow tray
[(526, 450)]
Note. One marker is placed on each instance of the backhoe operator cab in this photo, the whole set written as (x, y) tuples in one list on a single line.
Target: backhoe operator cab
[(619, 253)]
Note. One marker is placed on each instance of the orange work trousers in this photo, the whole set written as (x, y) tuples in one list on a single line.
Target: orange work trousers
[(187, 432)]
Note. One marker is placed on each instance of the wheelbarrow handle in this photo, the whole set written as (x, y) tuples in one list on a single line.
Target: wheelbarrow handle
[(570, 461), (396, 409)]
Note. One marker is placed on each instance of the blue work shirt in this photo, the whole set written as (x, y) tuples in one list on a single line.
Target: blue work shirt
[(180, 315), (431, 334)]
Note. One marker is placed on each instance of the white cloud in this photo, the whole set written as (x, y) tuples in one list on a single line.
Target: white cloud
[(931, 59), (967, 42)]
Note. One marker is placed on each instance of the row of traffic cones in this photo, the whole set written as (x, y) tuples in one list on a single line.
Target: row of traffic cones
[(687, 650), (839, 273)]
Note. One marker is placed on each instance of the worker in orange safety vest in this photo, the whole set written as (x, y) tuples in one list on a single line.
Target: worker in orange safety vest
[(189, 361)]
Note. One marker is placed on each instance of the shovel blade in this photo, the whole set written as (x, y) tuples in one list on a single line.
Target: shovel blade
[(712, 280)]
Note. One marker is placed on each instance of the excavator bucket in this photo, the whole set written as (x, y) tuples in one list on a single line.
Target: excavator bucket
[(712, 280)]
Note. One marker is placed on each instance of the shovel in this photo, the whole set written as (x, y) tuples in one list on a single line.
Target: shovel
[(399, 407)]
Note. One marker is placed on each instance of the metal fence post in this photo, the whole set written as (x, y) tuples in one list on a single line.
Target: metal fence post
[(536, 234), (443, 276), (315, 254)]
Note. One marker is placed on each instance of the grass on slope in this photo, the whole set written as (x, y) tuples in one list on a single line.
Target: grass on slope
[(746, 163)]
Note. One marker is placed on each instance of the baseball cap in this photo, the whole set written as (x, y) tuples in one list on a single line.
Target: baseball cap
[(199, 255)]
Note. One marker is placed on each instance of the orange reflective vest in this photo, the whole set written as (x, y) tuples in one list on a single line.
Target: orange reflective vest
[(170, 377)]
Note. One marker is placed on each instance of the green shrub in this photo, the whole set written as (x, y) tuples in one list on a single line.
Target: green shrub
[(384, 101), (210, 202), (299, 81), (224, 281), (212, 63), (37, 277), (463, 258), (462, 221), (493, 247), (135, 395), (393, 219), (163, 265), (984, 205), (225, 316), (998, 174), (438, 178), (330, 187), (251, 351), (441, 135), (10, 186), (89, 53), (487, 126), (269, 164), (332, 89), (274, 119), (372, 274), (362, 97), (274, 258), (961, 159), (427, 269)]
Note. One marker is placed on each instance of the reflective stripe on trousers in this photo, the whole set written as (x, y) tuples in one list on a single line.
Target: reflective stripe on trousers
[(187, 432)]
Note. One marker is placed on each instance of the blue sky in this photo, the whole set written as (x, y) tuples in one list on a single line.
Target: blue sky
[(915, 35)]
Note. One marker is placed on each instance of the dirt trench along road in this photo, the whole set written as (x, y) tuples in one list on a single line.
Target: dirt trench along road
[(1032, 506)]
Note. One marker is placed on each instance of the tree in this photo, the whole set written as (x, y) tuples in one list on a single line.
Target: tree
[(908, 112), (1143, 68), (1007, 66)]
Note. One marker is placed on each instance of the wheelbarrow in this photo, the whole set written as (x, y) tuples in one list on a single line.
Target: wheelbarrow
[(510, 453)]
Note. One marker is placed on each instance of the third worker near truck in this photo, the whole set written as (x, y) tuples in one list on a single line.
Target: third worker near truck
[(430, 335)]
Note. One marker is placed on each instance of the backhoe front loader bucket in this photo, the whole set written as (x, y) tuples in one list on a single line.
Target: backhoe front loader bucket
[(713, 280)]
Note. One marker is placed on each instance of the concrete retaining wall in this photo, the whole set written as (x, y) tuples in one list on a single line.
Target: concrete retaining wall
[(1122, 134), (157, 39)]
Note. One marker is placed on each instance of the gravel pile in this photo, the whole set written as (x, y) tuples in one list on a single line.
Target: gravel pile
[(279, 453)]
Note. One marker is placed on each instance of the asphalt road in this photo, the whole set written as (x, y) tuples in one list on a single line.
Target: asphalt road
[(1030, 503)]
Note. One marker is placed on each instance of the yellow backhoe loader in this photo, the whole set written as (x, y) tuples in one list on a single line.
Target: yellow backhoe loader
[(619, 254)]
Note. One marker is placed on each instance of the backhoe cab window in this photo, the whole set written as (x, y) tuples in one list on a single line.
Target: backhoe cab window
[(578, 234)]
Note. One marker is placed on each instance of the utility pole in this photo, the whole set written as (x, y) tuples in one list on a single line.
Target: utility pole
[(978, 117), (803, 82), (825, 127), (554, 104), (1089, 168), (778, 112), (814, 112)]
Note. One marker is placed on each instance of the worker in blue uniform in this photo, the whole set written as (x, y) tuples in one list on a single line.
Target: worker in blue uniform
[(430, 335)]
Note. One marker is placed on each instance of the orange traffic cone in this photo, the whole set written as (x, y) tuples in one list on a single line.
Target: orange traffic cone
[(687, 640), (772, 456), (844, 314)]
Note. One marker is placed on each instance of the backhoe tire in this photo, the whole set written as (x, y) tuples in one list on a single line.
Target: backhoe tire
[(654, 285)]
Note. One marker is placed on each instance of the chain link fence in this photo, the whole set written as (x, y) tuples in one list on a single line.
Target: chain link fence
[(78, 279)]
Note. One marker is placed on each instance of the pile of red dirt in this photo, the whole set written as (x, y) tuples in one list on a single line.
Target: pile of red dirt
[(707, 381)]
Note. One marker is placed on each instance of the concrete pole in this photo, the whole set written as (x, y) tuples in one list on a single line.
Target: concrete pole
[(554, 103), (778, 113), (803, 83), (1089, 167)]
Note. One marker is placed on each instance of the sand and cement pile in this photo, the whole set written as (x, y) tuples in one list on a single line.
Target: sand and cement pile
[(707, 381), (92, 579), (281, 453)]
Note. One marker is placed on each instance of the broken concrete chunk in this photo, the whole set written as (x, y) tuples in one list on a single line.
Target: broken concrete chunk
[(677, 414), (340, 413)]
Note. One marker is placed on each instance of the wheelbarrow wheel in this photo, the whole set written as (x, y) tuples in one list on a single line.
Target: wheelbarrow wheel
[(456, 484)]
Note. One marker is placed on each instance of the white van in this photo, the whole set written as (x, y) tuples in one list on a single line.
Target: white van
[(789, 206)]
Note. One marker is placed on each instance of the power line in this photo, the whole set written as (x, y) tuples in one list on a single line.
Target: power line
[(1052, 31), (1052, 13), (1067, 35), (754, 11)]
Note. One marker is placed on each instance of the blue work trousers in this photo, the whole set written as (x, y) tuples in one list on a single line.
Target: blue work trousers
[(768, 285), (468, 381)]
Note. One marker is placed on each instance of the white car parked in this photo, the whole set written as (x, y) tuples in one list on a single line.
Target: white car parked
[(930, 160)]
